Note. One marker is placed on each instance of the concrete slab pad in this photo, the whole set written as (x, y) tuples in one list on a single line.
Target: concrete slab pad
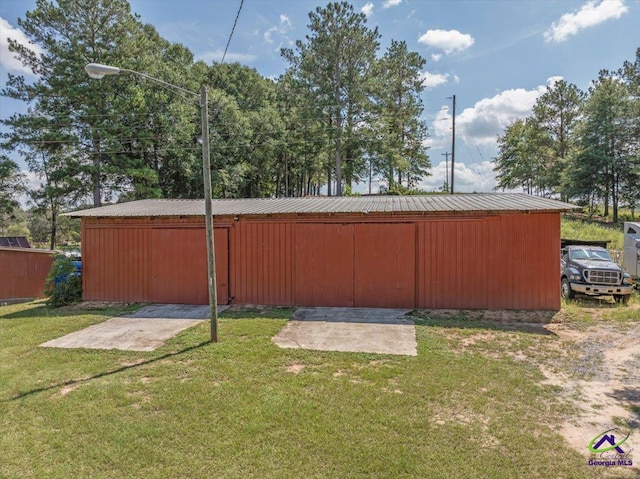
[(144, 330), (383, 331)]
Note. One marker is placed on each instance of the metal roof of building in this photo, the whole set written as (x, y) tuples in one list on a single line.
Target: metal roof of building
[(331, 205), (14, 241)]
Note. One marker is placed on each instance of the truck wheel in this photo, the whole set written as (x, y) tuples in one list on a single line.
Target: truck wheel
[(622, 298), (567, 292)]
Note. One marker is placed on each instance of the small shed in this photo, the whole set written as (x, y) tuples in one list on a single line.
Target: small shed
[(23, 272), (481, 251)]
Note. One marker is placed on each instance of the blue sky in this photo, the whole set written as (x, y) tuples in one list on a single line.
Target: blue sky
[(497, 57)]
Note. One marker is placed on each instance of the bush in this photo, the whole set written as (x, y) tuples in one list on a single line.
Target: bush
[(64, 283)]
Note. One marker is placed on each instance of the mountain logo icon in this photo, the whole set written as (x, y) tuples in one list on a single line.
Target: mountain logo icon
[(599, 443)]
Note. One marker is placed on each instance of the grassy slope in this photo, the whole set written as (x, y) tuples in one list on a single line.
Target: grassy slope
[(576, 228), (246, 408)]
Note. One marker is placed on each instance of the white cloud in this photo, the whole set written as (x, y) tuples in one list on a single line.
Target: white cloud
[(281, 29), (432, 80), (391, 3), (477, 129), (489, 116), (367, 9), (553, 80), (7, 59), (591, 14), (447, 40), (216, 56), (441, 126), (478, 177), (284, 20), (456, 79), (436, 56)]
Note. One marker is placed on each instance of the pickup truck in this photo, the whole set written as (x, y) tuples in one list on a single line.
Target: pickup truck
[(590, 270)]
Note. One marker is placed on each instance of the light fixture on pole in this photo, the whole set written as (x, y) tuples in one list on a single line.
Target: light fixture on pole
[(98, 71)]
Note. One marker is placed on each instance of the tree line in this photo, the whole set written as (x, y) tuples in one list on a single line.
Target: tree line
[(343, 111), (579, 146)]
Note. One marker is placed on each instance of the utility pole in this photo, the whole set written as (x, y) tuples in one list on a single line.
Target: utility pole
[(453, 143), (446, 178)]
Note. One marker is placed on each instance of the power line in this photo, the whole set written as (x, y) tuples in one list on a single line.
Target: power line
[(474, 162), (232, 30)]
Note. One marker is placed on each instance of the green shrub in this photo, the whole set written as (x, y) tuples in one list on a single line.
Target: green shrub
[(63, 285)]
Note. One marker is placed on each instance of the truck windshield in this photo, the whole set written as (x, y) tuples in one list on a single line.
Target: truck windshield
[(590, 254)]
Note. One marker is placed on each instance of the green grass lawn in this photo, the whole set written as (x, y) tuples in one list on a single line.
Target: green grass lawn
[(246, 408), (580, 228)]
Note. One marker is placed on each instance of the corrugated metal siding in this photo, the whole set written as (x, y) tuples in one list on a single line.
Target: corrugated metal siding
[(496, 261), (531, 254), (262, 262), (503, 262), (451, 261), (23, 272), (384, 265), (144, 260), (179, 257), (324, 273), (116, 263)]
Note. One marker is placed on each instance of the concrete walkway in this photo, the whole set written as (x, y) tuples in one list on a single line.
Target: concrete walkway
[(144, 330), (370, 330)]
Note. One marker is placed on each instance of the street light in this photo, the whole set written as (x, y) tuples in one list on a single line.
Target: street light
[(98, 71)]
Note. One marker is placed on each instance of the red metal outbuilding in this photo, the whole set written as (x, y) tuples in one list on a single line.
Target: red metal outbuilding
[(23, 272), (485, 251)]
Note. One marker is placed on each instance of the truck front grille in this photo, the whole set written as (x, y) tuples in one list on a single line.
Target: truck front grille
[(603, 277)]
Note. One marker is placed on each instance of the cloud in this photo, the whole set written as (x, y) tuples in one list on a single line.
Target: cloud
[(216, 56), (281, 29), (553, 80), (447, 40), (490, 116), (591, 14), (284, 20), (432, 80), (436, 57), (7, 59), (477, 129), (456, 79), (391, 3), (367, 9), (478, 177)]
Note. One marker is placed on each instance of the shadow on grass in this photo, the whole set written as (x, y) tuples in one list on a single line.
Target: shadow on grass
[(72, 382), (41, 310), (602, 302), (475, 320), (258, 312), (630, 395)]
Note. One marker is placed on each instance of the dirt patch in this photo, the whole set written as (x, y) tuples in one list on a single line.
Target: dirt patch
[(295, 368), (67, 389), (594, 363), (601, 379), (496, 316)]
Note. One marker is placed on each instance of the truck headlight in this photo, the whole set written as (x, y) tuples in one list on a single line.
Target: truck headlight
[(575, 277)]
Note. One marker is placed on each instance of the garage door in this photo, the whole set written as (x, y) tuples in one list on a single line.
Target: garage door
[(179, 266), (324, 265), (385, 265), (362, 265)]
